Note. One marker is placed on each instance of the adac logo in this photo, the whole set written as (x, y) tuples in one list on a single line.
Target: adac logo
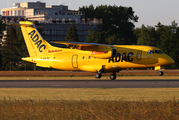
[(121, 58), (35, 39)]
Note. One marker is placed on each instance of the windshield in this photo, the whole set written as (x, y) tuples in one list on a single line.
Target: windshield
[(155, 51), (158, 51), (151, 52)]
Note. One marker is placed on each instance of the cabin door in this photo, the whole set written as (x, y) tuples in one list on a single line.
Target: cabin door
[(75, 61)]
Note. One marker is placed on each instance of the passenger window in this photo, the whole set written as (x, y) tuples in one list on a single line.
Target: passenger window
[(139, 55), (151, 52)]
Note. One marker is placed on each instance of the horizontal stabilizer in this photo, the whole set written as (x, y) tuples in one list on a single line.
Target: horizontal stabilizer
[(25, 25)]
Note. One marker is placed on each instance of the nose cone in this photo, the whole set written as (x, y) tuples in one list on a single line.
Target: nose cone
[(166, 60), (171, 61)]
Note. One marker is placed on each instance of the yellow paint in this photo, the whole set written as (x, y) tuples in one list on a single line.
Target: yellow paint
[(157, 67), (88, 56)]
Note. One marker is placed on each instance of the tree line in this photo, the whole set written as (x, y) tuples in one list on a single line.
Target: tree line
[(117, 24), (117, 28), (12, 49), (162, 36)]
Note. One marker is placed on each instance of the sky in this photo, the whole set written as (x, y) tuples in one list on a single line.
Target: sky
[(150, 12)]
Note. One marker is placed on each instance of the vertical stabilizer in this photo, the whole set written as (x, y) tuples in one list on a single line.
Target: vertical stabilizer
[(36, 45)]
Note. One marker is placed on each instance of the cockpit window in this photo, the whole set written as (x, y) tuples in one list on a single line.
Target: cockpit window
[(151, 52), (158, 51), (155, 51)]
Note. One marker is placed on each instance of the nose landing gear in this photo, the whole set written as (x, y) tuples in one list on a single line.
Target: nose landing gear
[(160, 73)]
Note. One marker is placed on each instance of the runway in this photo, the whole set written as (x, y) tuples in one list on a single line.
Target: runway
[(89, 83)]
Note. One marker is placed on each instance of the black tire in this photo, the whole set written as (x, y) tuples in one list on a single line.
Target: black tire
[(160, 73), (97, 75), (112, 76)]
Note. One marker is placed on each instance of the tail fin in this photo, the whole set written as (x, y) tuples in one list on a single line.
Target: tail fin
[(36, 45)]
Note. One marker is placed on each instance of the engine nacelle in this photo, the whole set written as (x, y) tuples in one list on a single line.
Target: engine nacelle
[(104, 54)]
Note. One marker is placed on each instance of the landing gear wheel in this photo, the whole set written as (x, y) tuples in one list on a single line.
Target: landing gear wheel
[(97, 75), (112, 76), (160, 73)]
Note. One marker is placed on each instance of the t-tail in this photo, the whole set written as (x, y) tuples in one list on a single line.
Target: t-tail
[(36, 45)]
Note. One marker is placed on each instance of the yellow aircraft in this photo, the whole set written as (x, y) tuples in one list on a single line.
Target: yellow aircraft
[(98, 58)]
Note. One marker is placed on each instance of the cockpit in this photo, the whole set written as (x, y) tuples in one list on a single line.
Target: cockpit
[(154, 51)]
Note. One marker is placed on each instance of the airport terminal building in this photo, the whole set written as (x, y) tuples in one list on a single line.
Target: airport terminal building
[(55, 19)]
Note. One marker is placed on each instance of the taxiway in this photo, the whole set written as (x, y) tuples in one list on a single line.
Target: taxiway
[(89, 83)]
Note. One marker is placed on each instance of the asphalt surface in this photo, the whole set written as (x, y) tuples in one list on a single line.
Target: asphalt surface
[(89, 83)]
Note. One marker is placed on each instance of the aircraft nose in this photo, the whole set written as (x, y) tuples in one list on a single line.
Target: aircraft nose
[(171, 61), (167, 60)]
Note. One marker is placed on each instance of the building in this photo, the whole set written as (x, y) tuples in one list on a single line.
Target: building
[(57, 32), (38, 11), (55, 19)]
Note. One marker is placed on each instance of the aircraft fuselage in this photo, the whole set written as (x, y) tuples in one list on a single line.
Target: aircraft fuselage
[(128, 56)]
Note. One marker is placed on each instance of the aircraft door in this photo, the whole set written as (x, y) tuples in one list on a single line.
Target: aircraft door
[(75, 61), (151, 58), (139, 55)]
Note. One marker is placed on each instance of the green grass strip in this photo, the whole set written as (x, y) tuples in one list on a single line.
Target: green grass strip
[(109, 94)]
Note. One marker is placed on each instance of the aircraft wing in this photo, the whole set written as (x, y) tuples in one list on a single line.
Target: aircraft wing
[(85, 46), (97, 50)]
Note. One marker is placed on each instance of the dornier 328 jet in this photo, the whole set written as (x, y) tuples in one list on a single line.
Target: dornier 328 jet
[(90, 57)]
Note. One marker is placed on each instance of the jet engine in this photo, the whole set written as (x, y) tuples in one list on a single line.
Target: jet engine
[(104, 54)]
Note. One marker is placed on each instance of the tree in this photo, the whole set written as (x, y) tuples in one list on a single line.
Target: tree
[(88, 11), (170, 42), (147, 36), (21, 43), (23, 52), (164, 37), (72, 34), (117, 21), (116, 39), (2, 28), (96, 37), (10, 54)]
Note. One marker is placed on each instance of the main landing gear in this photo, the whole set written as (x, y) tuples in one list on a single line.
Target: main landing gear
[(97, 75), (112, 76)]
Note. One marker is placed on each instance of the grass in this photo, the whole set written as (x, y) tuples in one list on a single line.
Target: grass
[(88, 110), (110, 94), (89, 103)]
